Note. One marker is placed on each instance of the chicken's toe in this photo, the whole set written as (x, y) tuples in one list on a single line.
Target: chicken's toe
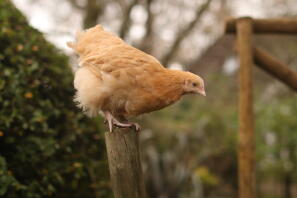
[(136, 127)]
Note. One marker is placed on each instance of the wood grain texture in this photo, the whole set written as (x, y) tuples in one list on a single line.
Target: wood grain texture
[(267, 26), (246, 150), (125, 164), (275, 68)]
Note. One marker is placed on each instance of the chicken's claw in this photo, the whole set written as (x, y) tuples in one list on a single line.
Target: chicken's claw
[(109, 119), (136, 127), (132, 125), (113, 121)]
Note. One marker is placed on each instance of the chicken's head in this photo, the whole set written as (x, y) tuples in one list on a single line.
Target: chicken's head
[(193, 84)]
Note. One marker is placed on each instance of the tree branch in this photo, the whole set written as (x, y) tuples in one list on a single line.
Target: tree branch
[(146, 44), (76, 5), (184, 33), (125, 26), (94, 9)]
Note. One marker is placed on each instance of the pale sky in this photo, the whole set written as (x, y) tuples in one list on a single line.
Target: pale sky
[(40, 16)]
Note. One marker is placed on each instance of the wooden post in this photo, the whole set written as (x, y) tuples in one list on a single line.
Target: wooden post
[(267, 26), (276, 68), (246, 150), (124, 163)]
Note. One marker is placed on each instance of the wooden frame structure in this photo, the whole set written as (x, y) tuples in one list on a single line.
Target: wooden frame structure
[(244, 28)]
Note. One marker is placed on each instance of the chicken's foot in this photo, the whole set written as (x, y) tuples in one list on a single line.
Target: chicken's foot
[(111, 120)]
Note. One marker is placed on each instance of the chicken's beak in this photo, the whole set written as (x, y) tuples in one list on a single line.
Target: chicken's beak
[(201, 91)]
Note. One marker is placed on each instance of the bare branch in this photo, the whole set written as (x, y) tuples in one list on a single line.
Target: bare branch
[(125, 26), (185, 32), (146, 44), (76, 5), (94, 9)]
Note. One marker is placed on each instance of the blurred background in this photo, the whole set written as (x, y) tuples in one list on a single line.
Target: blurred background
[(49, 149)]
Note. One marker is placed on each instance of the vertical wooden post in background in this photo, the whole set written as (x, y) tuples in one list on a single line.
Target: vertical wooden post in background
[(246, 149), (124, 163)]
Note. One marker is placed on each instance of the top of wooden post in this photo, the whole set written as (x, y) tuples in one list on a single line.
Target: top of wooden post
[(265, 26)]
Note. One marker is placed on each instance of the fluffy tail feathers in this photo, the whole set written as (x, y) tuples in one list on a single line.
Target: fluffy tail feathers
[(80, 34)]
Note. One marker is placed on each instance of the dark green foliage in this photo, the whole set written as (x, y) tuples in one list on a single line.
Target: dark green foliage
[(277, 142), (47, 147)]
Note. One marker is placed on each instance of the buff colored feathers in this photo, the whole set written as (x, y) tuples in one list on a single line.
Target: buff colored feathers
[(122, 81)]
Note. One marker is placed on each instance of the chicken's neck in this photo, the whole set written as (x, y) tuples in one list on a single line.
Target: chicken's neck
[(170, 86)]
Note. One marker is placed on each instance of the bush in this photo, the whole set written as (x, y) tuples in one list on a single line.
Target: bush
[(47, 147)]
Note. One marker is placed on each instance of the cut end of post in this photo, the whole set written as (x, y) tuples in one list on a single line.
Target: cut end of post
[(245, 18), (230, 24)]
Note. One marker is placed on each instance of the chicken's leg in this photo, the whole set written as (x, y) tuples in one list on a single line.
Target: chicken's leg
[(111, 120), (108, 120)]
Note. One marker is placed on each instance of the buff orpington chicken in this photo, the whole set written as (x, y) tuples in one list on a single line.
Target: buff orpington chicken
[(120, 81)]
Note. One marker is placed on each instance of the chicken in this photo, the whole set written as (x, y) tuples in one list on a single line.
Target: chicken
[(121, 81)]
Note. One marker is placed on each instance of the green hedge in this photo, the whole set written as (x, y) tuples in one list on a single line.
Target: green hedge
[(47, 147)]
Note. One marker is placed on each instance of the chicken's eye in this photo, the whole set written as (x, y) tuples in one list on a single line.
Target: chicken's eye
[(194, 84)]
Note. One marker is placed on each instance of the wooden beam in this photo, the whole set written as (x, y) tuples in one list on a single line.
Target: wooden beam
[(275, 67), (246, 149), (124, 163), (267, 26)]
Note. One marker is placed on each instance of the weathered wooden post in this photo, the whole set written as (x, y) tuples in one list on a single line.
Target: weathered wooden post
[(275, 68), (267, 26), (125, 164), (246, 150), (244, 28)]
